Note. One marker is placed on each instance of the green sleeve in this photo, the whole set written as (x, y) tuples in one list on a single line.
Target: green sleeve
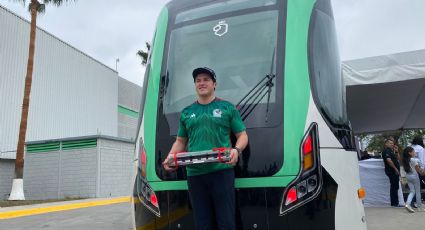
[(236, 123), (182, 128)]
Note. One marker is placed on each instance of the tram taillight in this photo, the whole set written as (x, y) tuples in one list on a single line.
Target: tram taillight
[(145, 193), (143, 160), (292, 196), (154, 200), (308, 161), (308, 183), (147, 196)]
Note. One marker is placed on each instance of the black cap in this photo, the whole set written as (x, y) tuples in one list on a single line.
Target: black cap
[(206, 70)]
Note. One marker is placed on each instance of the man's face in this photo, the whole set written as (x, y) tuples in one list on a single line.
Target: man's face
[(389, 144), (204, 85)]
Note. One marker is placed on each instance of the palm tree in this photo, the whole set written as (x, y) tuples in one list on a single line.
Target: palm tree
[(144, 54), (34, 7)]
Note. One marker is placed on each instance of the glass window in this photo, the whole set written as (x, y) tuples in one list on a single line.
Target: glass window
[(326, 69), (239, 49), (222, 7)]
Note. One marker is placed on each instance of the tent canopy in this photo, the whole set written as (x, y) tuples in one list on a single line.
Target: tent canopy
[(386, 93)]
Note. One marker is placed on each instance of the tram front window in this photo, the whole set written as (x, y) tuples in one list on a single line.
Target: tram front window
[(243, 44), (239, 48)]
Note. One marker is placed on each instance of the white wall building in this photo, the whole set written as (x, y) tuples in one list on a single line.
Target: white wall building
[(72, 94)]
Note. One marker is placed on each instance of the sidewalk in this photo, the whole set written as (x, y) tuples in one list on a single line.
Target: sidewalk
[(394, 219), (27, 210)]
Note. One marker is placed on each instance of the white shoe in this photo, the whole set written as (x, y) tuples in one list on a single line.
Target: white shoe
[(409, 209)]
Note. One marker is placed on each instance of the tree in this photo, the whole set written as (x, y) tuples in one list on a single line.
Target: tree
[(144, 54), (34, 8), (402, 138)]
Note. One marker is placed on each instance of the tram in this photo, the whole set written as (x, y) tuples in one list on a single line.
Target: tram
[(278, 62)]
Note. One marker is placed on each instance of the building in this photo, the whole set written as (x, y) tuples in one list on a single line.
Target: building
[(91, 166), (73, 96)]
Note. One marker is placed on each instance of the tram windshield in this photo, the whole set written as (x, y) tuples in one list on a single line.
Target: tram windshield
[(239, 47)]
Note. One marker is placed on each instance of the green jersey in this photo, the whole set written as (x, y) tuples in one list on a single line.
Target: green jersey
[(207, 127)]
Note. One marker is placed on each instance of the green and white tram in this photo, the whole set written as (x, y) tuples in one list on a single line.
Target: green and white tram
[(278, 62)]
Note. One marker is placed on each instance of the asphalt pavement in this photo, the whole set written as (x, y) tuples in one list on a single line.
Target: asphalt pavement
[(103, 217), (118, 216), (394, 219)]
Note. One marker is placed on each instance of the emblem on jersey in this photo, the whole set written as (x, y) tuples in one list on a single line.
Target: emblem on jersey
[(192, 115), (216, 113)]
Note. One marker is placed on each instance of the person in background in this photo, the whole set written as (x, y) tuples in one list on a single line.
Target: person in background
[(396, 150), (413, 169), (392, 170), (418, 146), (395, 147)]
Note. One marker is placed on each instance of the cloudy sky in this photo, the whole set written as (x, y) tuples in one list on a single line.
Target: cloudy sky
[(107, 30)]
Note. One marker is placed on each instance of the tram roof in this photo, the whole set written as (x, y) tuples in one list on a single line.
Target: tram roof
[(386, 93)]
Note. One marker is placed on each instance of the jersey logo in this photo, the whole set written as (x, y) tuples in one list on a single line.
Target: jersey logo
[(192, 115), (216, 113)]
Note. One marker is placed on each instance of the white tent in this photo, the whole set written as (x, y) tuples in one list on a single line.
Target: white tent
[(386, 93)]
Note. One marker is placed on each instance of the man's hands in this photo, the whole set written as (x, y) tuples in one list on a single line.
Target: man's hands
[(397, 172), (391, 164), (178, 146), (234, 156), (165, 163), (395, 149)]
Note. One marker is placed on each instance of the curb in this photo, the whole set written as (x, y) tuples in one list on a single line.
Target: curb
[(58, 208)]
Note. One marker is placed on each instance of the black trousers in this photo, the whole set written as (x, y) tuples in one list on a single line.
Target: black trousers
[(394, 185), (422, 180), (213, 200)]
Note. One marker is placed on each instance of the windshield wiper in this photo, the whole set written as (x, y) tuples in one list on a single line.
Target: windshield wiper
[(163, 85), (264, 87)]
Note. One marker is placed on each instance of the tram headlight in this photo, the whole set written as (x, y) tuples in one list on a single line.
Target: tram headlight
[(301, 189), (311, 183)]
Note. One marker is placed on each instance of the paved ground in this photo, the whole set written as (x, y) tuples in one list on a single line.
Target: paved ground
[(108, 217), (118, 216), (394, 219)]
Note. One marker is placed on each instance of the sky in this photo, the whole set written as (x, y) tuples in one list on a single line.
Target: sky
[(111, 30)]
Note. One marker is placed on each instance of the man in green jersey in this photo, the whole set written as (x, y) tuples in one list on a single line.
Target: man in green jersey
[(204, 125)]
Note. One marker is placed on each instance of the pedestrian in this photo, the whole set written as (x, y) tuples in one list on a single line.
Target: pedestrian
[(392, 170), (413, 169), (204, 125), (395, 147), (418, 145)]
